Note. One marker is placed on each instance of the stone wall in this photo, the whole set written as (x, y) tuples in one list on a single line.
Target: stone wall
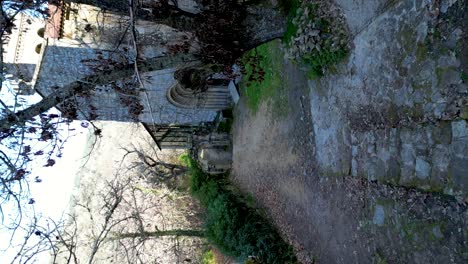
[(397, 110), (89, 35)]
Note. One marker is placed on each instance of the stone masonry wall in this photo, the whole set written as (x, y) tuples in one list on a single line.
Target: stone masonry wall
[(88, 35), (397, 110)]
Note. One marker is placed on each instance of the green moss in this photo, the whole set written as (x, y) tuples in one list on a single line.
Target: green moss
[(392, 114), (422, 230), (442, 133), (438, 73), (417, 112), (208, 257), (437, 34), (464, 113), (269, 58), (421, 86), (149, 190), (464, 77), (290, 6), (379, 258), (421, 52), (407, 37), (435, 188), (321, 61), (225, 126), (443, 73), (318, 62)]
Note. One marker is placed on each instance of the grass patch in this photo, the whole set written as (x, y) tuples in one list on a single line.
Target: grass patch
[(261, 80), (228, 119), (323, 60), (231, 225), (208, 257), (225, 126)]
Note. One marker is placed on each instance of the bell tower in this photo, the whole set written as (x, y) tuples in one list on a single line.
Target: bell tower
[(22, 51)]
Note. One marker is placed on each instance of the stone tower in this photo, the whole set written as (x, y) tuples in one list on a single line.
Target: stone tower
[(22, 51)]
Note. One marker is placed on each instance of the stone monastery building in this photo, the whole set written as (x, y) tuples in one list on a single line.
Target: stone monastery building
[(77, 39)]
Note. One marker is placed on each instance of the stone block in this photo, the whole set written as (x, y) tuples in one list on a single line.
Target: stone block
[(460, 130), (379, 215), (422, 169), (458, 172), (440, 162), (442, 133), (393, 170)]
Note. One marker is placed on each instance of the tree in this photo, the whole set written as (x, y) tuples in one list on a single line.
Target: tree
[(119, 220), (130, 216), (233, 26), (20, 118), (155, 170)]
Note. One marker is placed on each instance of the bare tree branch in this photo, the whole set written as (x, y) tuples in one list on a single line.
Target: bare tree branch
[(88, 83)]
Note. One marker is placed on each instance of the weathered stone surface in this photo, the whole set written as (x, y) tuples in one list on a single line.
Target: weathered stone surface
[(392, 111), (80, 53), (437, 232), (373, 111), (440, 163), (423, 168), (459, 150), (379, 215)]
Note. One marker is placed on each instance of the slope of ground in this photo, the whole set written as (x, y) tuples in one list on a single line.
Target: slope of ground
[(324, 170)]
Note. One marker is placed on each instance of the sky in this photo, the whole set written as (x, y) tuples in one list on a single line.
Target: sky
[(53, 194)]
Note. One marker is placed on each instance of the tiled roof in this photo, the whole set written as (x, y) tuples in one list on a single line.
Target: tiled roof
[(54, 23)]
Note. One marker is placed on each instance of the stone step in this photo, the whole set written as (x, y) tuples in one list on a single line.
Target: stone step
[(234, 93)]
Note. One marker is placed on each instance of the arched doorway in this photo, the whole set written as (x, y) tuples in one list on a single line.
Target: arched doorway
[(212, 98)]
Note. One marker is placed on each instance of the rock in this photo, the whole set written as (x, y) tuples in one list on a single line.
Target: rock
[(440, 163), (458, 170), (295, 21), (317, 46), (423, 168), (446, 4), (437, 232), (314, 32), (459, 130), (379, 215), (299, 11), (448, 76), (448, 61)]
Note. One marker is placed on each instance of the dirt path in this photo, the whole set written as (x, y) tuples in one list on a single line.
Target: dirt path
[(333, 216), (337, 219)]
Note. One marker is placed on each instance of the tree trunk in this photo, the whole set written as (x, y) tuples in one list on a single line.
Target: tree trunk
[(164, 13), (89, 83), (156, 234), (257, 25)]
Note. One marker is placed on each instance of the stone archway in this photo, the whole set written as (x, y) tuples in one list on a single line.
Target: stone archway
[(212, 98)]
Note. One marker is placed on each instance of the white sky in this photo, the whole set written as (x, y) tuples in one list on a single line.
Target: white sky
[(53, 194)]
